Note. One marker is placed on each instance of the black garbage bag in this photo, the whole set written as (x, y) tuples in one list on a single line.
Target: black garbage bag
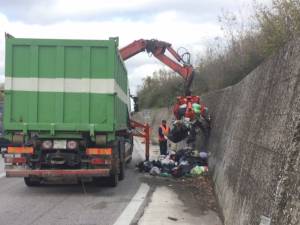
[(182, 169), (181, 112), (144, 166), (183, 154), (147, 166), (167, 165), (185, 166), (177, 172), (156, 163), (178, 133), (140, 166)]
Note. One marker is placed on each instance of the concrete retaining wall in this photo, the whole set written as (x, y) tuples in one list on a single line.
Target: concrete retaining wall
[(254, 143)]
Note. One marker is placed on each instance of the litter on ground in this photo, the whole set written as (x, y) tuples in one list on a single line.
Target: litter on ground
[(177, 164)]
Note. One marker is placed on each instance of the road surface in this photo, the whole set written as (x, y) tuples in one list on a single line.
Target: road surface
[(72, 204)]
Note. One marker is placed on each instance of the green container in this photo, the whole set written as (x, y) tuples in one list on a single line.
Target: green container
[(56, 85)]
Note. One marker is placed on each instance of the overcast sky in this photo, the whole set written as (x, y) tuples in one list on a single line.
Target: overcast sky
[(188, 23)]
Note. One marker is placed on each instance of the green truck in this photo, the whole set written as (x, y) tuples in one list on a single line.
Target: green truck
[(66, 110)]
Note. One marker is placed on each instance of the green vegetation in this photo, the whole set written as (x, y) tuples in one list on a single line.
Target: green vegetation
[(246, 44), (159, 90)]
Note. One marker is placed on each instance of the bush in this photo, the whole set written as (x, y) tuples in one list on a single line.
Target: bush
[(159, 90)]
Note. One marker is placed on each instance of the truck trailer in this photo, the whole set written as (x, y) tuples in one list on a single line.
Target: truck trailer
[(66, 110)]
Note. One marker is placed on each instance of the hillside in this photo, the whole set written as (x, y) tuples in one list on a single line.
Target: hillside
[(246, 44)]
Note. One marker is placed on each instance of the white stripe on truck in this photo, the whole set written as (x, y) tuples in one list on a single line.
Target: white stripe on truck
[(67, 85)]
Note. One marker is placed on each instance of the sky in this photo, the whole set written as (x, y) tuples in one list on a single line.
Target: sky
[(191, 24)]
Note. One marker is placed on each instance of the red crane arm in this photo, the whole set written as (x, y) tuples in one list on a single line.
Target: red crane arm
[(184, 71), (158, 48), (133, 49)]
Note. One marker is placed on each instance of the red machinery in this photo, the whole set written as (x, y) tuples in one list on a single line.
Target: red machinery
[(188, 101), (158, 49), (181, 66)]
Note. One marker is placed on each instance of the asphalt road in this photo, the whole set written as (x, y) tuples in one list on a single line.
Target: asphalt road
[(67, 204), (138, 199)]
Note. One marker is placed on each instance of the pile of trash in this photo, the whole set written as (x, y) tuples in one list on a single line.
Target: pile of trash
[(192, 126), (184, 162)]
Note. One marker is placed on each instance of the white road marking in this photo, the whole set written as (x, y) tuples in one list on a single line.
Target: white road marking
[(2, 175), (132, 208)]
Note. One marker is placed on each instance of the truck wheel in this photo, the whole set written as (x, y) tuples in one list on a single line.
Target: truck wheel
[(112, 181), (122, 159), (122, 170), (31, 182), (97, 181)]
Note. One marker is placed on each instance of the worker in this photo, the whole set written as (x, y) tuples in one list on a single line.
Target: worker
[(163, 132)]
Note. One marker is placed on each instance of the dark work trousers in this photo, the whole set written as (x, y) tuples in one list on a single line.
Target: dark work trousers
[(163, 147)]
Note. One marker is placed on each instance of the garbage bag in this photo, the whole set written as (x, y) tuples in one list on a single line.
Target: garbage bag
[(140, 166), (147, 166), (203, 155), (156, 163), (155, 171), (184, 163), (173, 156), (185, 166), (196, 106), (178, 133), (177, 172), (195, 153), (181, 112), (180, 155), (167, 165), (164, 174), (167, 161), (166, 168), (181, 170), (197, 112), (199, 170)]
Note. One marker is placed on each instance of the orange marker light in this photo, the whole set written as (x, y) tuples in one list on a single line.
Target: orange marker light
[(20, 150), (99, 151)]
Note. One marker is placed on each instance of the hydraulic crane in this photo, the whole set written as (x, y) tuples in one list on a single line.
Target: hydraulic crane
[(182, 66), (158, 49)]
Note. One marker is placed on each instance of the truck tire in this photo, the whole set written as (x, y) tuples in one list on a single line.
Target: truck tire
[(131, 150), (112, 181), (122, 159), (122, 170), (31, 182), (99, 181), (117, 170)]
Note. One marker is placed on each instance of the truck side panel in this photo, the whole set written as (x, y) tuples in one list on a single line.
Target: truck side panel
[(64, 85)]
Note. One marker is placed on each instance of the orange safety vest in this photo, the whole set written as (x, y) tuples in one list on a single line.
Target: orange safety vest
[(165, 132)]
